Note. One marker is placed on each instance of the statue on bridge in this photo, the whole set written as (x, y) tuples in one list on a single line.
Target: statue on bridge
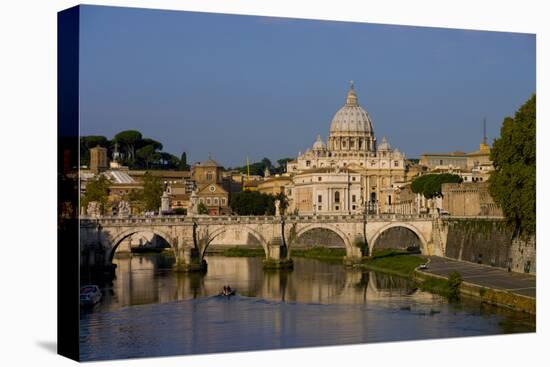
[(94, 209), (193, 209), (277, 207), (124, 209)]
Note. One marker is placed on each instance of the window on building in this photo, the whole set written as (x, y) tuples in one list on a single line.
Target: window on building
[(396, 163), (353, 198), (344, 143), (319, 198), (208, 201), (319, 207), (353, 207), (351, 144), (441, 162), (308, 163), (337, 197), (216, 202), (201, 200), (222, 200), (319, 178), (353, 178), (209, 176), (389, 199), (336, 207)]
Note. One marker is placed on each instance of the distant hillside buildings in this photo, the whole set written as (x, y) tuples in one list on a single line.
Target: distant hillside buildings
[(350, 174)]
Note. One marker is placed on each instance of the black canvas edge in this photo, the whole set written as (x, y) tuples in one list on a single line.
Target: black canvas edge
[(68, 248)]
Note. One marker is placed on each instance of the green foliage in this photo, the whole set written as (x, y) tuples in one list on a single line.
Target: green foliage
[(96, 190), (152, 191), (127, 141), (252, 203), (332, 255), (283, 202), (258, 168), (147, 154), (449, 288), (282, 165), (244, 252), (513, 183), (147, 198), (183, 166), (202, 209), (430, 185), (392, 262), (180, 211), (455, 280), (137, 152)]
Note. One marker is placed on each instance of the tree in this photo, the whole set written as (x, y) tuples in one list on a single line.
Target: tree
[(168, 161), (152, 191), (283, 202), (252, 203), (282, 165), (96, 190), (128, 140), (147, 198), (430, 185), (202, 209), (183, 166), (513, 183), (147, 155), (147, 141), (257, 168)]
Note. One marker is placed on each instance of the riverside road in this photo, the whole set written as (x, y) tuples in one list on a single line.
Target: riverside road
[(485, 276)]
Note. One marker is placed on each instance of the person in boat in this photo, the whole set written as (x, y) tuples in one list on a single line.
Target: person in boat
[(228, 290), (224, 289)]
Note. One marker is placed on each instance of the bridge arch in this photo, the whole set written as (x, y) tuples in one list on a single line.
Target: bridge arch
[(116, 240), (222, 229), (410, 227), (343, 236)]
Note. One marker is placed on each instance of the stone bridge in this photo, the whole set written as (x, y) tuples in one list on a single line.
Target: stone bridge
[(189, 237)]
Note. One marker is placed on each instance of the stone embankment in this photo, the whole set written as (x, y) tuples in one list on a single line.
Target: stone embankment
[(488, 284)]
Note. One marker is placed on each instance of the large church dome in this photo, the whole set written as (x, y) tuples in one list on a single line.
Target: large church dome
[(351, 118)]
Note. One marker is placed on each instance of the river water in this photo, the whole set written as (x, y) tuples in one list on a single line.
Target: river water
[(149, 310)]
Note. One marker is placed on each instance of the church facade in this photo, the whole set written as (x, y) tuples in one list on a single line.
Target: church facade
[(351, 172)]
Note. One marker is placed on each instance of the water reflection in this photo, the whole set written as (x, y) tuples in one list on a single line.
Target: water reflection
[(151, 311), (147, 279)]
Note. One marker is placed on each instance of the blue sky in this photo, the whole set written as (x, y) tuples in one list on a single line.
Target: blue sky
[(239, 86)]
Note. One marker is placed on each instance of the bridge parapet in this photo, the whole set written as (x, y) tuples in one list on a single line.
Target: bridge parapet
[(229, 219)]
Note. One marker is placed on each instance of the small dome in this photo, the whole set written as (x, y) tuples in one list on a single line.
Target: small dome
[(319, 145), (352, 117), (384, 145)]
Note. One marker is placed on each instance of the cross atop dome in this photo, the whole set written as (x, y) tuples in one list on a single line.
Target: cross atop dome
[(351, 99)]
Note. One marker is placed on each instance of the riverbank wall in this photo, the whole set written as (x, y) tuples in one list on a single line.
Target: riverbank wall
[(488, 241), (496, 297)]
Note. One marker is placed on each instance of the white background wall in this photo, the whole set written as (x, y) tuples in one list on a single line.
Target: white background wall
[(28, 130)]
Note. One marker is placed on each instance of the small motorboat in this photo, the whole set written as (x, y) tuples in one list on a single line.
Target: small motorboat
[(228, 293), (89, 295)]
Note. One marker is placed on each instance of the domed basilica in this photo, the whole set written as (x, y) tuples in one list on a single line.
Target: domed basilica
[(351, 172)]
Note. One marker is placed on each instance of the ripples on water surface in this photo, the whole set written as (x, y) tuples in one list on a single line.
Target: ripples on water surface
[(151, 311)]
